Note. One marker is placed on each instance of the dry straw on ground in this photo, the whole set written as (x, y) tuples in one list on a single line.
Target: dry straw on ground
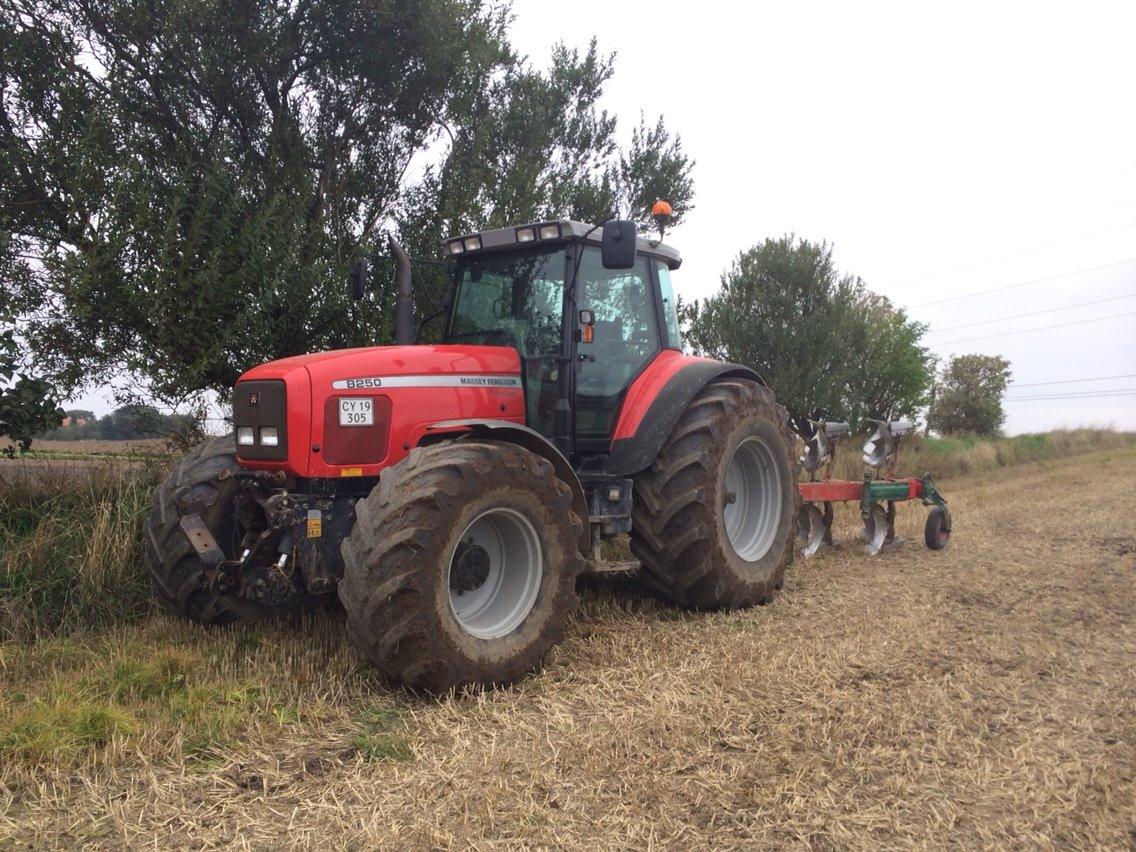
[(983, 695)]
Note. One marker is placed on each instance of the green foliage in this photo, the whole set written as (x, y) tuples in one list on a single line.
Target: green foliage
[(61, 729), (382, 736), (192, 181), (968, 397), (827, 346), (71, 551), (382, 747), (128, 422), (74, 696), (27, 406)]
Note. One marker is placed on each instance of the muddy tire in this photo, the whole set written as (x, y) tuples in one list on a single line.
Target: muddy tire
[(439, 582), (175, 568), (714, 514)]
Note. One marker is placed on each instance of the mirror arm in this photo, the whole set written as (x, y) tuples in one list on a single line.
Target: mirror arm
[(433, 316)]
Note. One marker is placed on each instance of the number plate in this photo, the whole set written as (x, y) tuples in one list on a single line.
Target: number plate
[(357, 412)]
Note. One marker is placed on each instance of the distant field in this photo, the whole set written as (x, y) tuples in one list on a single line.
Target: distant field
[(981, 695), (141, 446)]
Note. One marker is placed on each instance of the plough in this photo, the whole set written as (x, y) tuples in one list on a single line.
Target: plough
[(877, 493)]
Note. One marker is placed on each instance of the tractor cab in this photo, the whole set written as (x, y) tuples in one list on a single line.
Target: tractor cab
[(586, 310)]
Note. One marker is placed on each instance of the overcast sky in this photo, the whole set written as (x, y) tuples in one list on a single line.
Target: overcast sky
[(942, 149)]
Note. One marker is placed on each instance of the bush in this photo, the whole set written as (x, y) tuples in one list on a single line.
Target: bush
[(71, 548)]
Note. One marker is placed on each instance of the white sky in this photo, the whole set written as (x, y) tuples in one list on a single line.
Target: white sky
[(942, 150)]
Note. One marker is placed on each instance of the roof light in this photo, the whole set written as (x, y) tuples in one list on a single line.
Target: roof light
[(526, 235), (456, 247), (550, 232), (472, 243)]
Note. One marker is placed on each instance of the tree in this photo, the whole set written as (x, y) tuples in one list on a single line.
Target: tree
[(827, 346), (968, 396), (193, 180), (27, 405)]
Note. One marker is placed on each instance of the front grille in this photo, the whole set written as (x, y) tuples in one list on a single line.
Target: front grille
[(257, 404)]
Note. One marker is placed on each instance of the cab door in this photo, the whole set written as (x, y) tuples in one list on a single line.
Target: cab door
[(625, 340)]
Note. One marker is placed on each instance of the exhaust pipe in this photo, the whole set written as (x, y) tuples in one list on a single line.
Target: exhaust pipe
[(404, 301)]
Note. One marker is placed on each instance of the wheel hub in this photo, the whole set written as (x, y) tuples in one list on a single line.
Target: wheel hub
[(470, 568), (495, 573)]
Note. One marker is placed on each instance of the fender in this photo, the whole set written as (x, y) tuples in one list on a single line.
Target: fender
[(514, 433), (655, 402)]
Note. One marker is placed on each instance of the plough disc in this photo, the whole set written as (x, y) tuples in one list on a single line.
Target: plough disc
[(810, 528), (875, 530)]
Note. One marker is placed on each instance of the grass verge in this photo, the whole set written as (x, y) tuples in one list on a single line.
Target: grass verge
[(71, 549), (965, 454)]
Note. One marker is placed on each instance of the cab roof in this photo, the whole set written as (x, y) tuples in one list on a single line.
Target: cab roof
[(550, 231)]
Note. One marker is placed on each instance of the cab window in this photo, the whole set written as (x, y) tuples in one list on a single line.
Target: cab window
[(625, 338), (673, 337)]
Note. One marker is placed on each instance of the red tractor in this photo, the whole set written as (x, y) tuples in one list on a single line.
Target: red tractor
[(453, 493)]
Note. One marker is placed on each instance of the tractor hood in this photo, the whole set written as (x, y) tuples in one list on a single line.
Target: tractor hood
[(389, 361), (351, 412)]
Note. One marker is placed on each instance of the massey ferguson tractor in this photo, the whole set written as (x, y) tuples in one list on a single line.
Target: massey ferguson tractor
[(452, 494)]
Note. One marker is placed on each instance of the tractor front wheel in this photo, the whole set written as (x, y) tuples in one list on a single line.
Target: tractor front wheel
[(462, 564), (203, 479), (713, 517)]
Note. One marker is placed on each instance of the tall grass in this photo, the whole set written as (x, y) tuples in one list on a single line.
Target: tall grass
[(71, 547), (957, 456)]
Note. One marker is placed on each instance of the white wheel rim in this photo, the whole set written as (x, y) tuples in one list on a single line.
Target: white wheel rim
[(752, 499), (497, 606)]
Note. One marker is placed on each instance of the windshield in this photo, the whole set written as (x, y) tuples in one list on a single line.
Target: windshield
[(517, 300), (510, 300)]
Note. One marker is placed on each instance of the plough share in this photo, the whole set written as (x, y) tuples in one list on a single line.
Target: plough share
[(877, 493)]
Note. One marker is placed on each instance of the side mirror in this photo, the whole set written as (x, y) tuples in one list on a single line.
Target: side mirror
[(618, 247), (360, 276)]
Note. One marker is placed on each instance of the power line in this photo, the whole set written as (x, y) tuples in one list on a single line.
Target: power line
[(1073, 381), (1101, 392), (991, 260), (1099, 395), (1025, 283), (1035, 313), (1039, 328)]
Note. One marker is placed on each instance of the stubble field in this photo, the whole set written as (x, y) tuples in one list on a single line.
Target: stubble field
[(982, 695)]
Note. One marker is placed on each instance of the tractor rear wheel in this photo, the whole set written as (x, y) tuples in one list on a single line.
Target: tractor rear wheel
[(462, 564), (202, 478), (713, 517)]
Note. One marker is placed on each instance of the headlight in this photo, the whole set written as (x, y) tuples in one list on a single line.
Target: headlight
[(269, 437), (245, 436)]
